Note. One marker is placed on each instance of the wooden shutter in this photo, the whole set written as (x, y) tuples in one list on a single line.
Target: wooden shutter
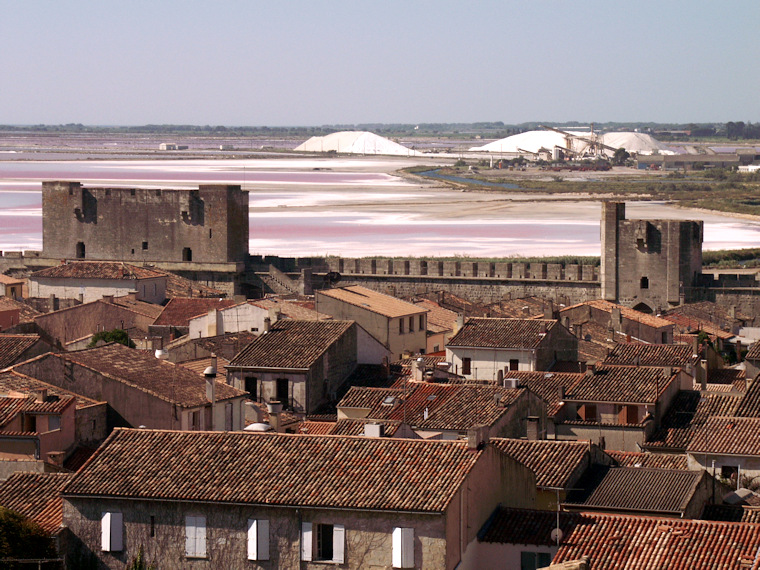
[(339, 543), (258, 539), (403, 548), (200, 536), (189, 536), (111, 533), (306, 544)]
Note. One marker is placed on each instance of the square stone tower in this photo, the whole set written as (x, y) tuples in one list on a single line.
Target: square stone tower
[(207, 225), (649, 265)]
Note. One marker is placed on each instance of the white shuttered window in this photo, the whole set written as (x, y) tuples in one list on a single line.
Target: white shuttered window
[(403, 548), (111, 532), (258, 539), (195, 536), (306, 541)]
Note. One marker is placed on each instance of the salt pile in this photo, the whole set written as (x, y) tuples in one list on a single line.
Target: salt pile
[(356, 142), (533, 141), (639, 143)]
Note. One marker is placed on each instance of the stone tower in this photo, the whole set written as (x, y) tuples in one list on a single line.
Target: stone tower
[(204, 226), (650, 265)]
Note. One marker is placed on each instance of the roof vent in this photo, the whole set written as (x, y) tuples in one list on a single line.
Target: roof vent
[(374, 430), (511, 383)]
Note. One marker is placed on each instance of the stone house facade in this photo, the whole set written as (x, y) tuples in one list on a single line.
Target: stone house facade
[(349, 502)]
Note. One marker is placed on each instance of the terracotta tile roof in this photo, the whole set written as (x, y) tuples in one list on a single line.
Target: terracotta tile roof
[(546, 385), (199, 365), (555, 463), (141, 307), (12, 346), (291, 309), (522, 526), (651, 355), (654, 491), (8, 280), (316, 428), (177, 286), (684, 323), (621, 384), (26, 313), (688, 412), (300, 470), (438, 319), (291, 344), (502, 333), (754, 352), (179, 311), (96, 270), (372, 301), (456, 407), (79, 457), (750, 403), (727, 436), (36, 496), (10, 407), (356, 427), (13, 381), (649, 460), (615, 542), (625, 312), (142, 371), (710, 311)]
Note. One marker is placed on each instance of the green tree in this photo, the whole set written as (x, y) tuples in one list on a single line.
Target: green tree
[(23, 538), (115, 335), (139, 563), (620, 156)]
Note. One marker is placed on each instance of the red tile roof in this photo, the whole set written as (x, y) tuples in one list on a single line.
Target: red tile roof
[(36, 496), (546, 385), (625, 312), (621, 384), (649, 460), (13, 381), (651, 355), (688, 412), (162, 379), (615, 542), (452, 407), (373, 301), (12, 346), (299, 470), (96, 270), (291, 309), (179, 311), (684, 323), (554, 463), (11, 407), (502, 333), (291, 344), (438, 319), (727, 436)]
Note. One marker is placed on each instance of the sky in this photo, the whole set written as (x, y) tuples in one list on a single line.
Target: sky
[(310, 63)]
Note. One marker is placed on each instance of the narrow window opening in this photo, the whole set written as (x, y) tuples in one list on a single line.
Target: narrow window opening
[(324, 542), (645, 282), (80, 250), (145, 245), (187, 254), (209, 233), (132, 192), (466, 366), (152, 526)]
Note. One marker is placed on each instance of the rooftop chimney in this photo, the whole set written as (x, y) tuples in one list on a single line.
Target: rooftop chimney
[(477, 437), (532, 428), (274, 314), (267, 324), (418, 369), (274, 408), (108, 298), (459, 324), (40, 395), (561, 393), (549, 310), (374, 430)]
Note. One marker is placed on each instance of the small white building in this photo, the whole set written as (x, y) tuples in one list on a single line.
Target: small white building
[(488, 349), (93, 280)]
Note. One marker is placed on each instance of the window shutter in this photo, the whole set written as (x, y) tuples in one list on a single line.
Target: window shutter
[(252, 540), (111, 532), (339, 543), (117, 544), (306, 536), (105, 532), (189, 536), (258, 539), (200, 536), (403, 548)]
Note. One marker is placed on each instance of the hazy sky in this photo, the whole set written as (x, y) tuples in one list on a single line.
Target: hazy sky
[(317, 62)]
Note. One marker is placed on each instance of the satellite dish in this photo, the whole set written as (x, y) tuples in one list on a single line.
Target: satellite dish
[(556, 535), (331, 278)]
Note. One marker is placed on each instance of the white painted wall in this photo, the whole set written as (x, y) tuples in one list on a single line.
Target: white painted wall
[(149, 290), (487, 362)]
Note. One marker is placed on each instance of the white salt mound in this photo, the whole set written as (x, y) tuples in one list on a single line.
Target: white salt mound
[(356, 142)]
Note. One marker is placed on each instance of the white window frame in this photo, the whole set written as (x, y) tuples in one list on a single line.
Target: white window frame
[(308, 546), (112, 532), (403, 547), (258, 539), (195, 536)]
